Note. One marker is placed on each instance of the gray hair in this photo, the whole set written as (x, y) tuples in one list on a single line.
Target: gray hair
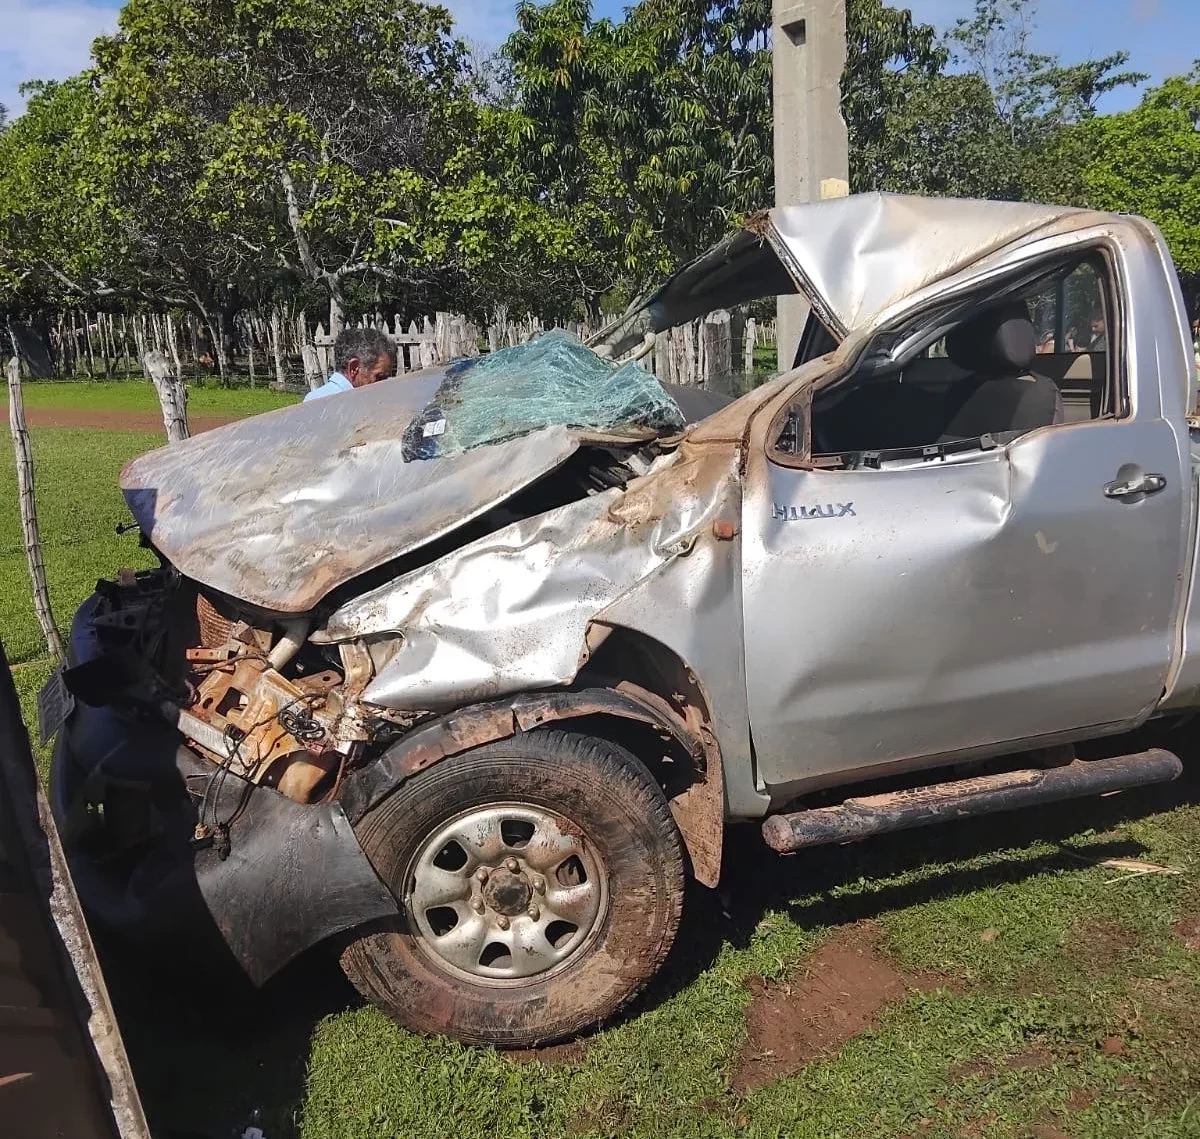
[(368, 344)]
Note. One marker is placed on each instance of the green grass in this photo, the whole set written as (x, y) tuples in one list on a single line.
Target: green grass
[(138, 395), (79, 508), (1026, 947)]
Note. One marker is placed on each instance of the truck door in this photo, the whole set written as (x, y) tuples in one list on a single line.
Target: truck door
[(974, 596)]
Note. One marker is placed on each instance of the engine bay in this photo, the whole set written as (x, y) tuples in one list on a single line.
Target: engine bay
[(247, 690)]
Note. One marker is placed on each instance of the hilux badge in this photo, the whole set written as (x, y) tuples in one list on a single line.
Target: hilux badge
[(802, 513)]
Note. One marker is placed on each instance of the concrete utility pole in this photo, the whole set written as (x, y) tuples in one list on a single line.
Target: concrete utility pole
[(811, 152)]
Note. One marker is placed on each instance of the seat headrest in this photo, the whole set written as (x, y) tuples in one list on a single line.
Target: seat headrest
[(1000, 340)]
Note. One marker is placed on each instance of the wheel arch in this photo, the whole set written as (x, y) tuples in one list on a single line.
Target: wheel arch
[(656, 706)]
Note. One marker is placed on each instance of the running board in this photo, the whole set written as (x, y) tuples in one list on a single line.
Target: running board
[(966, 798)]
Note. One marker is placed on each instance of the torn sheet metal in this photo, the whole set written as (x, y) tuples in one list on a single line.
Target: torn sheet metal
[(280, 509), (859, 255), (852, 258), (510, 612)]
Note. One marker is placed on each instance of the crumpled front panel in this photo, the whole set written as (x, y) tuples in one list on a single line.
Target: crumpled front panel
[(279, 509), (510, 612)]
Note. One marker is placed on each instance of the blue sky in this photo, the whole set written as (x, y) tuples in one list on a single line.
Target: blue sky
[(49, 39)]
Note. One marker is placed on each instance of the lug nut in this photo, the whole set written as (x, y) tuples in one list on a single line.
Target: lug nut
[(481, 874), (534, 912), (477, 905), (512, 865), (539, 884), (502, 922)]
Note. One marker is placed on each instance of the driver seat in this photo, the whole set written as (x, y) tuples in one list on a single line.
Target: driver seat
[(1000, 395)]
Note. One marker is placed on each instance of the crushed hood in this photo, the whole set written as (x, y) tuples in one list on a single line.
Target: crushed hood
[(279, 509), (851, 257)]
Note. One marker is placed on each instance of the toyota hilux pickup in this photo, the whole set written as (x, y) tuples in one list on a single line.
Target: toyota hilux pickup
[(468, 672)]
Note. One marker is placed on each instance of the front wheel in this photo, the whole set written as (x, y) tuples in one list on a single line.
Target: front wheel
[(541, 883)]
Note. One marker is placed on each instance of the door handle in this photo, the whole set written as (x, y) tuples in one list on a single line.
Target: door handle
[(1138, 484)]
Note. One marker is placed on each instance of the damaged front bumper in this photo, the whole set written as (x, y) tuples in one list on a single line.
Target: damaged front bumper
[(261, 880)]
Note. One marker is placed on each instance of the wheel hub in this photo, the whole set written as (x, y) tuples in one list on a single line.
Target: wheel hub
[(506, 892)]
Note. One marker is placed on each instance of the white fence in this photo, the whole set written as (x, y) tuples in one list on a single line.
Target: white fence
[(709, 352), (275, 344)]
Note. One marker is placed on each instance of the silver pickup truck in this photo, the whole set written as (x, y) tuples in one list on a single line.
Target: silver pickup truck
[(468, 671)]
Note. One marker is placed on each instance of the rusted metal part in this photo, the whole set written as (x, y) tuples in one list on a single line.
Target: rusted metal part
[(292, 873), (319, 682), (286, 734), (214, 628), (302, 772), (966, 798), (244, 702), (63, 1066), (699, 810), (210, 656), (481, 724)]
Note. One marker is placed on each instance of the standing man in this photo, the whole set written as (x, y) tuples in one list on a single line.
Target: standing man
[(361, 356), (1098, 340)]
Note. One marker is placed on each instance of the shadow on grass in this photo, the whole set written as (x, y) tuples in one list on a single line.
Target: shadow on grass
[(207, 1054), (756, 881), (212, 1056)]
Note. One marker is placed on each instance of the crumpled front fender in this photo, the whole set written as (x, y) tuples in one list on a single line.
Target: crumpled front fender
[(699, 810)]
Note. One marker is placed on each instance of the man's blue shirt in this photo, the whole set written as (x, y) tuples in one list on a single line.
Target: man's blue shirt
[(336, 383)]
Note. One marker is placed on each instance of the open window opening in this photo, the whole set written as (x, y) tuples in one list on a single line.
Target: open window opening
[(975, 374)]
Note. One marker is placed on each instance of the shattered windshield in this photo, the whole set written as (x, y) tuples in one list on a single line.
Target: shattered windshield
[(553, 380)]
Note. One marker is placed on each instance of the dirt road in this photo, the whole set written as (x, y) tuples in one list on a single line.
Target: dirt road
[(97, 420)]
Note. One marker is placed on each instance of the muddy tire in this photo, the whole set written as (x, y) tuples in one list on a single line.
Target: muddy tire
[(541, 881)]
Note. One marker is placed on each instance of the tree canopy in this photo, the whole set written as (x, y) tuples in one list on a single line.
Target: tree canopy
[(354, 152), (1147, 161)]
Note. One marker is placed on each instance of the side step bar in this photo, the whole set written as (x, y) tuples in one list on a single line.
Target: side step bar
[(966, 798)]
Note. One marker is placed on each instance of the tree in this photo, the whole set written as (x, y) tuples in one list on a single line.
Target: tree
[(654, 134), (57, 240), (1000, 123), (1033, 91), (281, 136), (941, 135), (1038, 99), (889, 59), (1147, 161)]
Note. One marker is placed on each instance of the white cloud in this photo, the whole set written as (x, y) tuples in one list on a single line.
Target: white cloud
[(46, 40)]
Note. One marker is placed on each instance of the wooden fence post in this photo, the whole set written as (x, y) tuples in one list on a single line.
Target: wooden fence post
[(173, 344), (427, 349), (276, 330), (29, 525), (716, 350), (441, 337), (172, 395), (312, 366)]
